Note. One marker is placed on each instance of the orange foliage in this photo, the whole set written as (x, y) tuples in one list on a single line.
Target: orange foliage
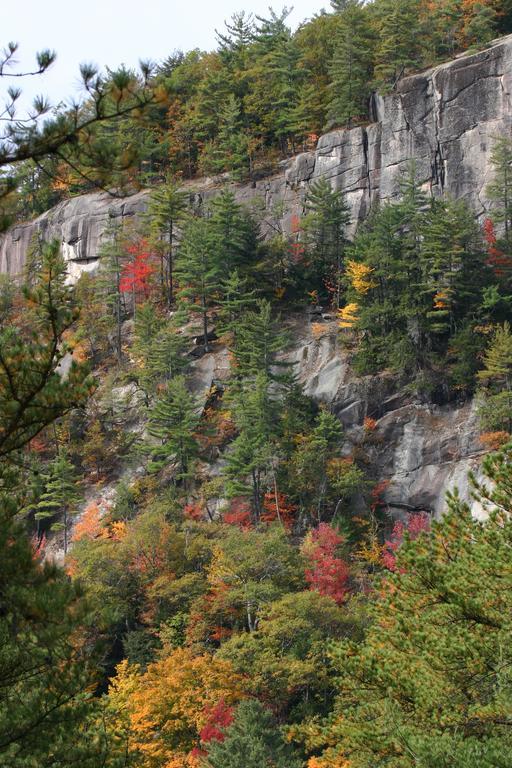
[(494, 440), (89, 525), (318, 330), (278, 509), (168, 705), (369, 424)]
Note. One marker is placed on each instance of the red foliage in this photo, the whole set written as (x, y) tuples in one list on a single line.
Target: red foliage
[(414, 524), (328, 574), (220, 717), (284, 510), (377, 493), (136, 274), (500, 263), (194, 511), (239, 513), (38, 545)]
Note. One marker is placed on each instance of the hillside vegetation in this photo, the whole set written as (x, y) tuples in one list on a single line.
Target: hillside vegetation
[(229, 589)]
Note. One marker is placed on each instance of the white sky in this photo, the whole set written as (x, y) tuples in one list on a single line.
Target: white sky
[(111, 32)]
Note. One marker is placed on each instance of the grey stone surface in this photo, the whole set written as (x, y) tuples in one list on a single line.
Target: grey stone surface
[(445, 118), (421, 450)]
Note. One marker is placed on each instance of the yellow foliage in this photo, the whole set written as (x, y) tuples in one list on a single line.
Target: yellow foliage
[(348, 315), (360, 277), (165, 708), (441, 300), (328, 762)]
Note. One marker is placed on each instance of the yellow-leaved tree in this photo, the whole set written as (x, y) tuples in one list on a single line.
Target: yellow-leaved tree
[(160, 712)]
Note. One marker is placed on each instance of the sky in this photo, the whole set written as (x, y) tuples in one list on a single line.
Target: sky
[(111, 32)]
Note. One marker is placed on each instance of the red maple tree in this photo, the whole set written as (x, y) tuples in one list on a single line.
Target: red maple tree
[(328, 573), (136, 273)]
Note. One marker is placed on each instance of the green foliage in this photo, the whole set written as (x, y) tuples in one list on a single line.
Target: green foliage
[(351, 66), (416, 275), (32, 393), (430, 683), (253, 740), (286, 658), (198, 272), (496, 396), (173, 421), (325, 237), (166, 211), (60, 495)]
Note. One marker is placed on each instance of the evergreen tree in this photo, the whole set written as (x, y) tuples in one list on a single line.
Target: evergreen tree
[(199, 272), (496, 376), (60, 495), (258, 343), (399, 40), (430, 683), (47, 713), (32, 393), (165, 358), (173, 421), (166, 211), (233, 232), (252, 740), (351, 67), (229, 150), (499, 190), (325, 230), (250, 456), (236, 299)]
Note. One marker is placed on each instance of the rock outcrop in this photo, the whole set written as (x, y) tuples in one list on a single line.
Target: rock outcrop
[(419, 450), (446, 119)]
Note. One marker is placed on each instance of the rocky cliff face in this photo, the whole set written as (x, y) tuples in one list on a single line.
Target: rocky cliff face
[(446, 120), (419, 450)]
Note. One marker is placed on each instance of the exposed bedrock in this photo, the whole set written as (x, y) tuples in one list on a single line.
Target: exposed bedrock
[(445, 119), (421, 450)]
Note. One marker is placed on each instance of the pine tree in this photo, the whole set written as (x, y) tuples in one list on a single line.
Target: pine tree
[(198, 271), (173, 421), (229, 150), (351, 67), (252, 740), (325, 230), (166, 211), (250, 456), (399, 40), (496, 376), (258, 343), (46, 676), (233, 232), (499, 190), (430, 683), (236, 299), (60, 495)]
